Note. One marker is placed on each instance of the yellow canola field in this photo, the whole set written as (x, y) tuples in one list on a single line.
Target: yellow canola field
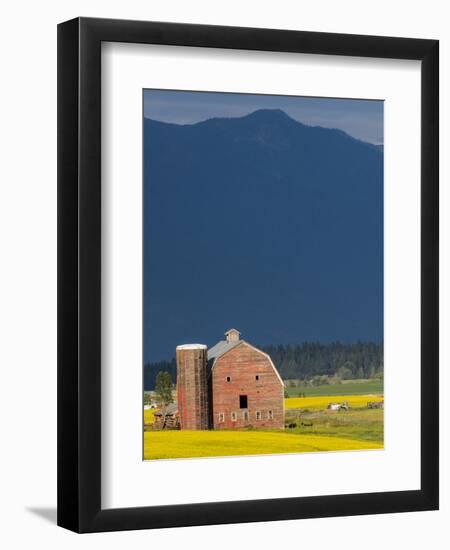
[(191, 444), (149, 416), (321, 402)]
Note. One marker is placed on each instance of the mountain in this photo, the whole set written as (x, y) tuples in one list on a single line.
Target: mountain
[(264, 224)]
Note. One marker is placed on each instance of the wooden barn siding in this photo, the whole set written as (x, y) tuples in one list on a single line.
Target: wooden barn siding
[(242, 364)]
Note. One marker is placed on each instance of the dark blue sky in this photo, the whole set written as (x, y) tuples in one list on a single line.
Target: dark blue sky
[(362, 119)]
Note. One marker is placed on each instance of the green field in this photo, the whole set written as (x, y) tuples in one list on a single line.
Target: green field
[(360, 387), (313, 429), (358, 424)]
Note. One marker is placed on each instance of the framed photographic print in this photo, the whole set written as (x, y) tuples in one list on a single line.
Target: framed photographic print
[(248, 275)]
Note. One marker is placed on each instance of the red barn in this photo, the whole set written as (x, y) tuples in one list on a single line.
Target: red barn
[(244, 387)]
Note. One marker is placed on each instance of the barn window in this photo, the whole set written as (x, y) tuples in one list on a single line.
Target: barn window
[(233, 416), (221, 417), (270, 415), (243, 402), (246, 416), (228, 378), (258, 415), (257, 377)]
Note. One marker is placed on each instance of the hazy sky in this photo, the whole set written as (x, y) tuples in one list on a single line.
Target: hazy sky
[(362, 119)]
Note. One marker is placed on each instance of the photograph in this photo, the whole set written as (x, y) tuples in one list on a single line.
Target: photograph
[(263, 250), (248, 270)]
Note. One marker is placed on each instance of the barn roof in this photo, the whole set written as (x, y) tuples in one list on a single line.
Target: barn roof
[(222, 347)]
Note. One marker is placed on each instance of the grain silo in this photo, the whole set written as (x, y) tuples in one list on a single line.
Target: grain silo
[(192, 386)]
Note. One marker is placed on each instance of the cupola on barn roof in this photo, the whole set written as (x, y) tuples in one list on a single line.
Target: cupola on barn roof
[(232, 335)]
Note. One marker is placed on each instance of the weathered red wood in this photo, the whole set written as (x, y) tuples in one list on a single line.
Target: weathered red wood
[(265, 395)]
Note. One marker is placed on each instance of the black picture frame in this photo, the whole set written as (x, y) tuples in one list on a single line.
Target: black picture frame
[(79, 274)]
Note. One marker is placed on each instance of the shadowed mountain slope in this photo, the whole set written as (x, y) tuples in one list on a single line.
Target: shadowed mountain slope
[(264, 224)]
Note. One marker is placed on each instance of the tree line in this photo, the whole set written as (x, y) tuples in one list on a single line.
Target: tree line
[(346, 361), (304, 362)]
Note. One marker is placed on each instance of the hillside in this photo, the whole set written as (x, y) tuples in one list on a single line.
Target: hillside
[(264, 224)]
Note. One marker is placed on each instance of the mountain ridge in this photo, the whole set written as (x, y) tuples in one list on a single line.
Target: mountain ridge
[(263, 112), (263, 223)]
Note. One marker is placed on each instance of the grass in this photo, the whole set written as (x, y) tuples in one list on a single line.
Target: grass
[(356, 424), (360, 387), (191, 444), (321, 402)]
